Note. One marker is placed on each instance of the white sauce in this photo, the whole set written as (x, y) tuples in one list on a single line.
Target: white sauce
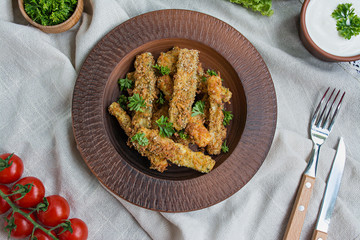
[(321, 27)]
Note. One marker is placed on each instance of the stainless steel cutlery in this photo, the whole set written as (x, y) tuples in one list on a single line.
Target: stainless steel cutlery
[(320, 128)]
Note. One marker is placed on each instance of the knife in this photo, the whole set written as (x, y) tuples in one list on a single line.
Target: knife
[(330, 195)]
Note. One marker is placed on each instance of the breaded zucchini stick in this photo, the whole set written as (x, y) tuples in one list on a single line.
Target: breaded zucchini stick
[(145, 81), (122, 117), (185, 84), (175, 152), (201, 78), (166, 85), (198, 132), (226, 94), (196, 129), (169, 59), (124, 120), (216, 116)]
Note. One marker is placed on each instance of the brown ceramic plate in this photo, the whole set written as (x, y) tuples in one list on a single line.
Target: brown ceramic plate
[(102, 143)]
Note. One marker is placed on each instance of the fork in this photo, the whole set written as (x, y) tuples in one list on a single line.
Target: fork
[(320, 128)]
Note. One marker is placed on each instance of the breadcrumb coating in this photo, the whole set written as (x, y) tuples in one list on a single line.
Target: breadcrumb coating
[(216, 116), (185, 84)]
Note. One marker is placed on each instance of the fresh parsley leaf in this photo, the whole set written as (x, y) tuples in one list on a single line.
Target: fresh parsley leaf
[(122, 101), (49, 12), (343, 11), (348, 23), (136, 103), (198, 108), (163, 69), (161, 99), (262, 6), (140, 139), (125, 83), (166, 128), (183, 135), (211, 72), (224, 147), (228, 116), (203, 79)]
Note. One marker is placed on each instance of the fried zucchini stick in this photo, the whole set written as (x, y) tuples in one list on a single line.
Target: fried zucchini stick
[(216, 116), (185, 84), (122, 117), (198, 132), (226, 94), (166, 85), (175, 152), (169, 59), (124, 120), (145, 81)]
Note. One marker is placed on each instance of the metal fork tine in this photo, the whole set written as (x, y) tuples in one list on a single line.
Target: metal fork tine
[(320, 119), (336, 112), (325, 121), (316, 113)]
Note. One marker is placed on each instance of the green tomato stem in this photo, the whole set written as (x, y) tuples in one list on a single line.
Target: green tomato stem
[(15, 209), (4, 163)]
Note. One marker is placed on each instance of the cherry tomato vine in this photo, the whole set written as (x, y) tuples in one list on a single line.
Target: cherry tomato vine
[(31, 212)]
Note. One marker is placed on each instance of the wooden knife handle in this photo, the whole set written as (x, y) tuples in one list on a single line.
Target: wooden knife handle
[(298, 213), (319, 235)]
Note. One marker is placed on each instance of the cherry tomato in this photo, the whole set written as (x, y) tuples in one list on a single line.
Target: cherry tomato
[(33, 197), (4, 206), (10, 169), (57, 211), (80, 231), (23, 226), (41, 235)]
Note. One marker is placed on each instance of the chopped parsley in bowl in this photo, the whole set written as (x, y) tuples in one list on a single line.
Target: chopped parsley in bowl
[(50, 12), (52, 16)]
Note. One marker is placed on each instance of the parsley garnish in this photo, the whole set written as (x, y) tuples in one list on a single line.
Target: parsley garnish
[(183, 135), (122, 101), (224, 147), (163, 70), (161, 99), (203, 79), (140, 139), (125, 83), (198, 108), (136, 103), (50, 12), (348, 23), (211, 72), (263, 6), (228, 116), (166, 128)]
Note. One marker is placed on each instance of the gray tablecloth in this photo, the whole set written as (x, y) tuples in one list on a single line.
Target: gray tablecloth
[(37, 76)]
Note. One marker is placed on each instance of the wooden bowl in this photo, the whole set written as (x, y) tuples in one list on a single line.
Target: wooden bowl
[(312, 47), (102, 142), (62, 27)]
